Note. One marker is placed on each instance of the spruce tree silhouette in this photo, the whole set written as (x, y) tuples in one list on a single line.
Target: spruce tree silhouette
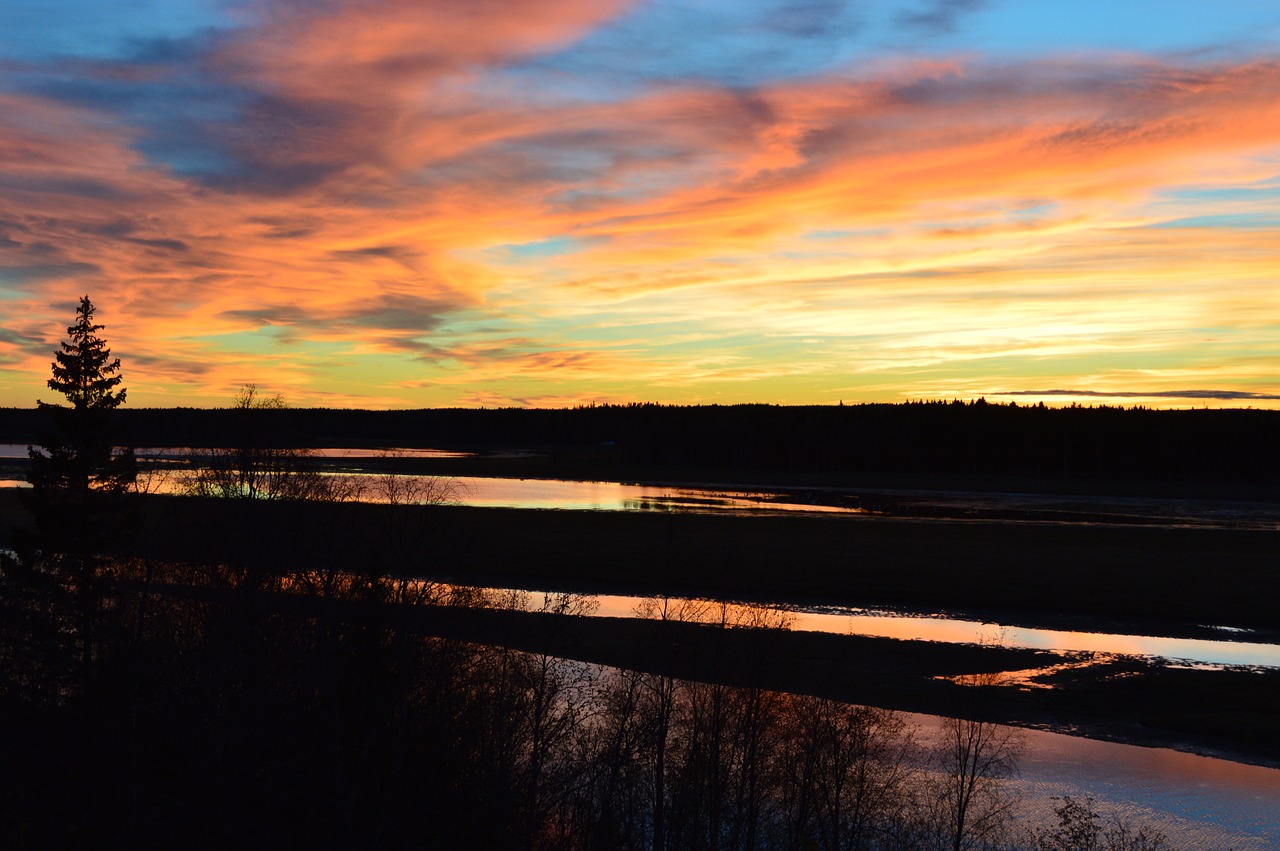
[(78, 481), (78, 455)]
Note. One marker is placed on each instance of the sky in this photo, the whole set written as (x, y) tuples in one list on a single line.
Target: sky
[(430, 203)]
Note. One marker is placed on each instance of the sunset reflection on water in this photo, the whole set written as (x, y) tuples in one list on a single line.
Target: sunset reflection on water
[(926, 628), (1205, 804)]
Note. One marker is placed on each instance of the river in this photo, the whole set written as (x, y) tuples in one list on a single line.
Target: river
[(163, 471)]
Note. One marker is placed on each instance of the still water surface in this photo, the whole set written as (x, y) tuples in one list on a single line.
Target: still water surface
[(619, 496), (494, 492), (924, 627), (615, 496), (1201, 803), (487, 492)]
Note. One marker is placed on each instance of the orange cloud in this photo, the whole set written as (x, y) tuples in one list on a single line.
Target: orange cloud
[(872, 154), (382, 158)]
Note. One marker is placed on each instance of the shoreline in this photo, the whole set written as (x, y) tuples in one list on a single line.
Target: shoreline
[(1027, 619), (1176, 582), (1132, 575), (905, 675), (1112, 699)]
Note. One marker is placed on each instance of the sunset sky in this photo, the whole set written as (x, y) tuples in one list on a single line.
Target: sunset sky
[(406, 203)]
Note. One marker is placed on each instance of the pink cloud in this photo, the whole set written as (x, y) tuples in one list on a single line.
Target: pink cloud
[(378, 153)]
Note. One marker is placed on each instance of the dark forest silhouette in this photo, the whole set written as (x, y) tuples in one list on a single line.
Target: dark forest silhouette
[(924, 439)]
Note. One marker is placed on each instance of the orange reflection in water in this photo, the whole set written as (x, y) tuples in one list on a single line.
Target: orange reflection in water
[(1208, 803), (917, 627), (618, 496)]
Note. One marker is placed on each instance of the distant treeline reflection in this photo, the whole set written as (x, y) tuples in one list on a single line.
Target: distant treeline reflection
[(929, 438)]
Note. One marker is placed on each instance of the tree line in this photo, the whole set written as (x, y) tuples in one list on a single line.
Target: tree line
[(1230, 447)]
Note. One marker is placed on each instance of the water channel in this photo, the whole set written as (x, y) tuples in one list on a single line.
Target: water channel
[(492, 492), (1199, 802), (164, 470), (931, 627)]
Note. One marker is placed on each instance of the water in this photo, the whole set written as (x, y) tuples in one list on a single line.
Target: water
[(19, 450), (486, 492), (494, 492), (1201, 803), (618, 496), (880, 624), (391, 453)]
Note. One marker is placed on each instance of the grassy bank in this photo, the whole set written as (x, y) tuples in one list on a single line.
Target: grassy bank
[(1154, 579), (1232, 714), (1049, 573)]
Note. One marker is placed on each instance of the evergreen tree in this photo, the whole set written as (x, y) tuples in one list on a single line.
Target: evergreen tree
[(78, 482), (78, 452)]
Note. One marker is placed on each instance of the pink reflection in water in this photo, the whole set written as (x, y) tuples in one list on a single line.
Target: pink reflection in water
[(486, 492), (617, 496), (1201, 803), (390, 453), (1211, 803), (917, 627)]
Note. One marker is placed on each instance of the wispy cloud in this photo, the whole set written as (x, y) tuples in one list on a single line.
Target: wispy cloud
[(938, 16), (1218, 395)]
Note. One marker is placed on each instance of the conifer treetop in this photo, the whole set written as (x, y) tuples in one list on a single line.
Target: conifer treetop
[(84, 371)]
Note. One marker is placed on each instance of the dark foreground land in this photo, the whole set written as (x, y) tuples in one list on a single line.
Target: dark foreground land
[(181, 671), (1162, 579), (1116, 578)]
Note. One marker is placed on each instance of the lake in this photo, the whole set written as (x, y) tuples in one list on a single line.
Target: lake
[(1201, 803)]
